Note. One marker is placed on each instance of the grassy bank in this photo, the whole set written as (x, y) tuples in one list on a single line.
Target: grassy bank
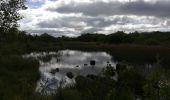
[(18, 77), (126, 52)]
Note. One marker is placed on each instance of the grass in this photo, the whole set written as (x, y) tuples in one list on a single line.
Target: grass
[(18, 77), (125, 52), (136, 54)]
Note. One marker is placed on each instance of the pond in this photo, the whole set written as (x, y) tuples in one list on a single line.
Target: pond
[(60, 68)]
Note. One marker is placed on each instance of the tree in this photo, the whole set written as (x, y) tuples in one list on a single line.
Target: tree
[(9, 14), (117, 37), (46, 38)]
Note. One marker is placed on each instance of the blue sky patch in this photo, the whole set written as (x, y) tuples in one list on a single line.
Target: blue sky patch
[(34, 4)]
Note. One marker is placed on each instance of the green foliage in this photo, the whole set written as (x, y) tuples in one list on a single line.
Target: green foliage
[(109, 71), (156, 85), (152, 42), (91, 37), (124, 95), (94, 89), (70, 94), (131, 80), (46, 38), (145, 38), (117, 38), (18, 77), (9, 14)]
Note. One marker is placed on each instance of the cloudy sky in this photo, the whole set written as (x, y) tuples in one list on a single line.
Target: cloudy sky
[(74, 17)]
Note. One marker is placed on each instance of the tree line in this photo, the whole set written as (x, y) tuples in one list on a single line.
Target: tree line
[(120, 37)]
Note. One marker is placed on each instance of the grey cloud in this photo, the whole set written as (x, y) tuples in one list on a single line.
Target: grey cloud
[(41, 31), (168, 23), (96, 22), (92, 9), (55, 33), (91, 30), (74, 22), (158, 9), (69, 22), (101, 17)]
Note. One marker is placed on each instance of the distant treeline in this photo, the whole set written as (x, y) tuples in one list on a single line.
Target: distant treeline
[(149, 38), (120, 37)]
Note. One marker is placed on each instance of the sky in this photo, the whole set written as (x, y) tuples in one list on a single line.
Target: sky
[(75, 17)]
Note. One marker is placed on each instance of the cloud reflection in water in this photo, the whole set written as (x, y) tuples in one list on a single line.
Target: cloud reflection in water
[(77, 62)]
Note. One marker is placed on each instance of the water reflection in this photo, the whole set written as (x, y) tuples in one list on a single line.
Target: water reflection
[(61, 68)]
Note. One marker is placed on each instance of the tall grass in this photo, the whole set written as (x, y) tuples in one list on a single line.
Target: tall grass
[(128, 52), (18, 77)]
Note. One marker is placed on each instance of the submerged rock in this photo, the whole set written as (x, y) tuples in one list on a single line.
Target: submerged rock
[(70, 75), (77, 66), (92, 62), (54, 71), (85, 64)]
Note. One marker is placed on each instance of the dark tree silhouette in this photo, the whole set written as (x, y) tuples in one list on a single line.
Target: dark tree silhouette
[(9, 14)]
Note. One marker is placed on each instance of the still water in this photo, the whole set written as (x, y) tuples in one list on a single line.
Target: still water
[(60, 68)]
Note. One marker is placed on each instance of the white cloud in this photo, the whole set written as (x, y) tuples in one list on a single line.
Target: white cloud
[(99, 16), (35, 1)]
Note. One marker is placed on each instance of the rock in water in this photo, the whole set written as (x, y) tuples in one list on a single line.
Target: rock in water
[(92, 62), (54, 71), (70, 75)]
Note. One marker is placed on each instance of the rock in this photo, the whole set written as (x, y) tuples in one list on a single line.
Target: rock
[(54, 71), (85, 64), (70, 75), (92, 62), (57, 70), (77, 66)]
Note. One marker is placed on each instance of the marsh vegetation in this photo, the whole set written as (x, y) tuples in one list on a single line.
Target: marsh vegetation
[(92, 66)]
